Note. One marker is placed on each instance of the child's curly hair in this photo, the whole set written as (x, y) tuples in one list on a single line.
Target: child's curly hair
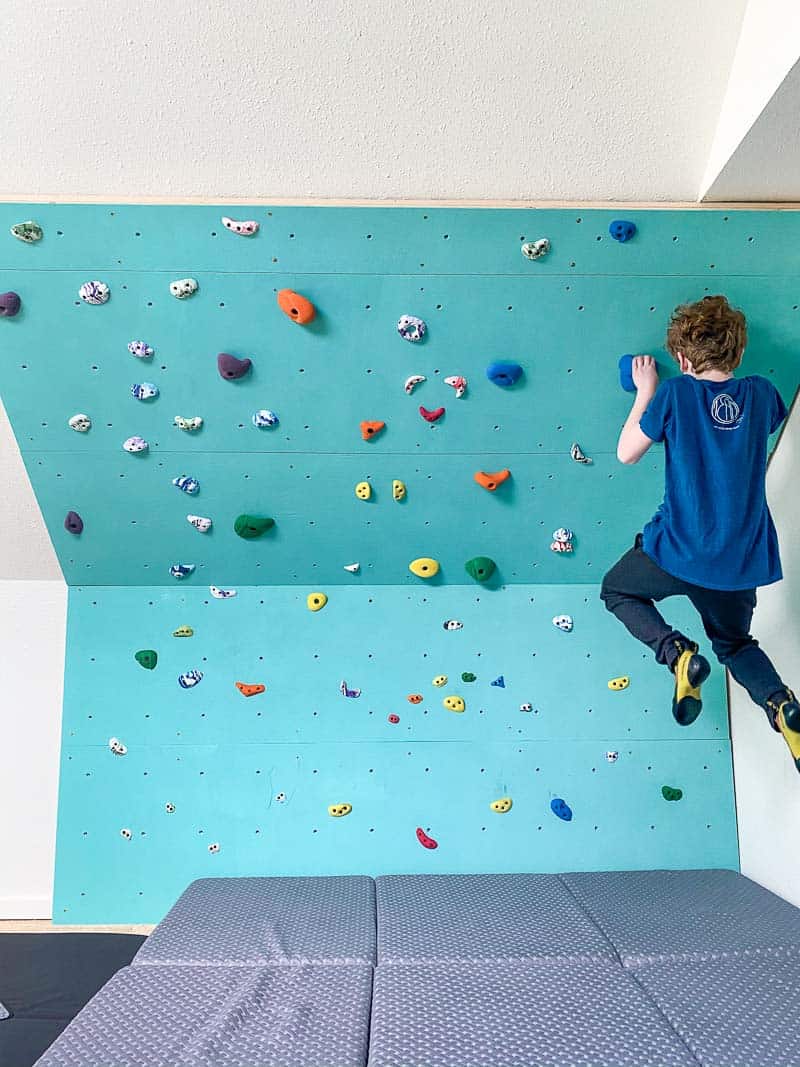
[(709, 333)]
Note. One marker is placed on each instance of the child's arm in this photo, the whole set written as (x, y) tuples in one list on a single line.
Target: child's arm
[(633, 443)]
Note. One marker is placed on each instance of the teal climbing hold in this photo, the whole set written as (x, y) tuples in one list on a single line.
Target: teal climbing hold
[(481, 568)]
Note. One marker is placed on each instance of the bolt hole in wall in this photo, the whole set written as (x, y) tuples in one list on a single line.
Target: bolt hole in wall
[(261, 683)]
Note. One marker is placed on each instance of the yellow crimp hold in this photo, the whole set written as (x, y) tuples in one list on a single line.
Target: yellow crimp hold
[(502, 805), (619, 683), (316, 601), (424, 567), (338, 810), (363, 490), (440, 680), (454, 703), (398, 489), (183, 631)]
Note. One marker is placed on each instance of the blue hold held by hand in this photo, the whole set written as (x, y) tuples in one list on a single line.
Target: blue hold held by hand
[(561, 808), (626, 373), (622, 230), (504, 374)]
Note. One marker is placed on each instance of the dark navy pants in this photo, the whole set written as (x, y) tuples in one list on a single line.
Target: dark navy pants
[(635, 582)]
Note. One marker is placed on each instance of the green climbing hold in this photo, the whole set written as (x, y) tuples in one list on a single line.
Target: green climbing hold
[(250, 526), (468, 676), (670, 793), (480, 568), (29, 232), (147, 658)]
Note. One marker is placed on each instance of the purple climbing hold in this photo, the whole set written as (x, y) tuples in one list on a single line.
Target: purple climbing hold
[(73, 523), (10, 304), (232, 368)]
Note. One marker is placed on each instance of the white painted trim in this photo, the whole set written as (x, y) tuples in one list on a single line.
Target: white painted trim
[(26, 908)]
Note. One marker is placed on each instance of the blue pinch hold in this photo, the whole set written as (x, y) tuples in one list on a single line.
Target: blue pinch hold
[(181, 570), (186, 483), (500, 682), (626, 373), (504, 374), (622, 230), (561, 808)]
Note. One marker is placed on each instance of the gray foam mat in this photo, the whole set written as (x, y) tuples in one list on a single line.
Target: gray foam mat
[(267, 920)]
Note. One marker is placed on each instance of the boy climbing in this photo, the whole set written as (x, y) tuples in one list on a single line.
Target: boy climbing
[(712, 539)]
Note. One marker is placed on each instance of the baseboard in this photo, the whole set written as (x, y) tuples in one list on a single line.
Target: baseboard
[(26, 908)]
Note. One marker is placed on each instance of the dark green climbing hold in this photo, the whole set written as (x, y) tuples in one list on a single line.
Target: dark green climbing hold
[(468, 676), (250, 526), (147, 658), (669, 793), (480, 568)]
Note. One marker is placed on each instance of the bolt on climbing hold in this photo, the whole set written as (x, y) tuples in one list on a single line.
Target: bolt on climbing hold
[(147, 658), (625, 365), (186, 483), (499, 681), (181, 288), (415, 698), (183, 631), (577, 453), (190, 425), (424, 840), (126, 834), (622, 230), (189, 679), (459, 383), (352, 568), (502, 805), (454, 703), (280, 798), (252, 526), (316, 601), (181, 570), (10, 304), (117, 747), (393, 719), (491, 480), (535, 249), (424, 567), (144, 391), (411, 328), (221, 594), (413, 381), (140, 349), (439, 680), (231, 367), (481, 568), (668, 792), (339, 810), (619, 683), (453, 624), (80, 423), (612, 756), (135, 444), (398, 490), (29, 232), (214, 848), (527, 706), (563, 622), (169, 808), (347, 692), (245, 229), (73, 523), (431, 416), (298, 308), (363, 490), (264, 418), (248, 689), (94, 292), (200, 522), (563, 534), (561, 808), (504, 374), (468, 676), (561, 546), (371, 429)]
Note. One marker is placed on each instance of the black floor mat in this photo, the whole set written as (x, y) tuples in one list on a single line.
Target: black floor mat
[(45, 980)]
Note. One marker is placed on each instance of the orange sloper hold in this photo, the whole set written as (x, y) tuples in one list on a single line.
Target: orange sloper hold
[(491, 481), (415, 698), (249, 690), (371, 429), (297, 307)]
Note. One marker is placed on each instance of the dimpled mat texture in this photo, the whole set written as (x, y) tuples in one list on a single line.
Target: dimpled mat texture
[(299, 1015), (655, 915), (267, 920), (517, 1015), (483, 916), (733, 1012)]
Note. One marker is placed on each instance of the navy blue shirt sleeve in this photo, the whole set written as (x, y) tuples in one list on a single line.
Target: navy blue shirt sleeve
[(778, 410), (655, 420)]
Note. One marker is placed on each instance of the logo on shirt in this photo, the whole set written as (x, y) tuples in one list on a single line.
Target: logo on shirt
[(725, 411)]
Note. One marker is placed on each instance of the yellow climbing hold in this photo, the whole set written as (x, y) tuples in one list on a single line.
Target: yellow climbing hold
[(454, 703), (424, 567), (398, 489), (502, 805), (338, 810), (183, 631), (316, 601), (440, 680), (619, 683), (363, 490)]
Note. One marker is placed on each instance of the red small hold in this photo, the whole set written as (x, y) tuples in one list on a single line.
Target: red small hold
[(394, 719), (431, 416), (424, 840)]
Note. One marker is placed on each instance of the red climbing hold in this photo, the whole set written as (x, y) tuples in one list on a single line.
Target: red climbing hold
[(424, 840), (371, 429), (431, 416), (394, 719)]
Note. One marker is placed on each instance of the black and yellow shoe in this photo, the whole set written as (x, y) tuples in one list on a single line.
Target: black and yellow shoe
[(690, 670), (784, 712)]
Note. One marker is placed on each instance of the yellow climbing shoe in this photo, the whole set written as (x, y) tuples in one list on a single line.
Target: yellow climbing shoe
[(690, 671), (784, 712)]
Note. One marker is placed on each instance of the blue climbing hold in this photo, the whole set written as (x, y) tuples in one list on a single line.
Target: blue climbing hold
[(622, 230), (626, 373), (500, 682), (561, 808), (504, 374)]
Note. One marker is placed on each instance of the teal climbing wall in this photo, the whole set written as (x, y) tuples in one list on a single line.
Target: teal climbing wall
[(254, 776)]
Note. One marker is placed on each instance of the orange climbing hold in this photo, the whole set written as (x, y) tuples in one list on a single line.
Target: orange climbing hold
[(249, 690), (297, 307), (371, 429), (491, 481), (415, 698)]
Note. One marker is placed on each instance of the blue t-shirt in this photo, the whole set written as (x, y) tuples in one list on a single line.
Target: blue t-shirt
[(714, 528)]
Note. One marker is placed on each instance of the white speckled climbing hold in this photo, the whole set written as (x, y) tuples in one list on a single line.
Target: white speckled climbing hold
[(221, 594), (117, 747), (199, 522), (536, 249), (612, 756), (245, 229), (527, 706), (30, 232), (411, 328), (140, 349), (125, 833), (214, 848), (563, 622), (563, 534), (94, 292), (352, 568), (169, 808), (561, 546), (186, 483), (189, 679), (459, 383), (144, 391), (181, 570), (578, 454), (189, 425), (413, 381), (264, 418), (453, 624), (80, 423), (345, 690), (183, 287), (135, 444)]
